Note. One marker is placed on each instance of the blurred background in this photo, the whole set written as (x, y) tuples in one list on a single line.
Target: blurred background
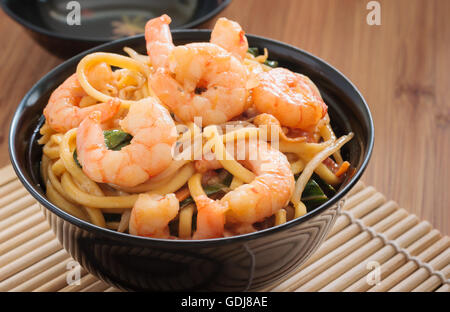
[(401, 67)]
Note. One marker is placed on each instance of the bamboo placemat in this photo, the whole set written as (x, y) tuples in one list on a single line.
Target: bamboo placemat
[(373, 246)]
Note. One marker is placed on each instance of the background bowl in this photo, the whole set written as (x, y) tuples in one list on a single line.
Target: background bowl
[(101, 21), (245, 262)]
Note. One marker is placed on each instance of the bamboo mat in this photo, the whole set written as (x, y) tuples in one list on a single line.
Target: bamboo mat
[(373, 246)]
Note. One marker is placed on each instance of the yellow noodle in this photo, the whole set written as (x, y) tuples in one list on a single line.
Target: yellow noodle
[(111, 59), (280, 217), (297, 166), (58, 167), (45, 162), (177, 181), (300, 209), (313, 163), (327, 134), (185, 222), (51, 150), (58, 200), (87, 199), (228, 161), (195, 185), (124, 221), (326, 174)]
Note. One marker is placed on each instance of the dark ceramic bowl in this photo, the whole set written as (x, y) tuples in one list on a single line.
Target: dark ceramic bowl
[(245, 262), (101, 21)]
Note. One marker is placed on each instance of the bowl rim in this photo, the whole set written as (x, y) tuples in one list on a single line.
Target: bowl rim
[(183, 243), (56, 35)]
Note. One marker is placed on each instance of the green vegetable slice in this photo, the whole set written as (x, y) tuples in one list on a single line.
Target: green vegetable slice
[(117, 139), (313, 196), (270, 63), (75, 157)]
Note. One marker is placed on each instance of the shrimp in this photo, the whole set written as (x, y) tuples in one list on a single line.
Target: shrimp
[(151, 215), (203, 80), (63, 112), (148, 154), (292, 98), (270, 191), (210, 218), (159, 40), (230, 36), (196, 79)]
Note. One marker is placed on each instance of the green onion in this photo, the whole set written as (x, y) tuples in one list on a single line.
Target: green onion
[(209, 190), (253, 51), (270, 63), (75, 157)]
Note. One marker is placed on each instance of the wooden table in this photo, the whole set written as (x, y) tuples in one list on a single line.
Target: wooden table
[(402, 68)]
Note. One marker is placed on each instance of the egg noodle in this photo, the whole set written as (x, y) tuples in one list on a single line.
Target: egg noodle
[(109, 205)]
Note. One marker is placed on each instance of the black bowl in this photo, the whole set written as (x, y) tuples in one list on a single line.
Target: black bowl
[(245, 262), (46, 20)]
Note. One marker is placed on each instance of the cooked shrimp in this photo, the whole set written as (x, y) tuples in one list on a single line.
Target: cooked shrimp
[(267, 193), (292, 98), (148, 154), (203, 80), (230, 36), (159, 40), (210, 218), (151, 215), (63, 112)]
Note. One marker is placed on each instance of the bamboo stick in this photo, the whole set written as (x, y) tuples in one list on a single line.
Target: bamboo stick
[(16, 206), (356, 189), (21, 239), (359, 197), (58, 283), (304, 274), (112, 289), (84, 282), (444, 288), (358, 211), (7, 174), (26, 212), (433, 281), (350, 231), (405, 270), (11, 197), (98, 286), (422, 274), (381, 256), (398, 260), (48, 275), (21, 226), (33, 270), (10, 187), (358, 255), (22, 250), (29, 259)]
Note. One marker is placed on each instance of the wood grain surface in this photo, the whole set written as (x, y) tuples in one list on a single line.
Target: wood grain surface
[(402, 68)]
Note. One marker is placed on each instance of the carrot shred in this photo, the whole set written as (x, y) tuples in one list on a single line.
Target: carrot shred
[(343, 168)]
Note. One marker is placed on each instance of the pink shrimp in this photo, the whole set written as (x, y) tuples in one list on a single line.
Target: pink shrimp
[(230, 36), (210, 218), (151, 215), (292, 98), (63, 112), (159, 40), (148, 154), (197, 79)]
